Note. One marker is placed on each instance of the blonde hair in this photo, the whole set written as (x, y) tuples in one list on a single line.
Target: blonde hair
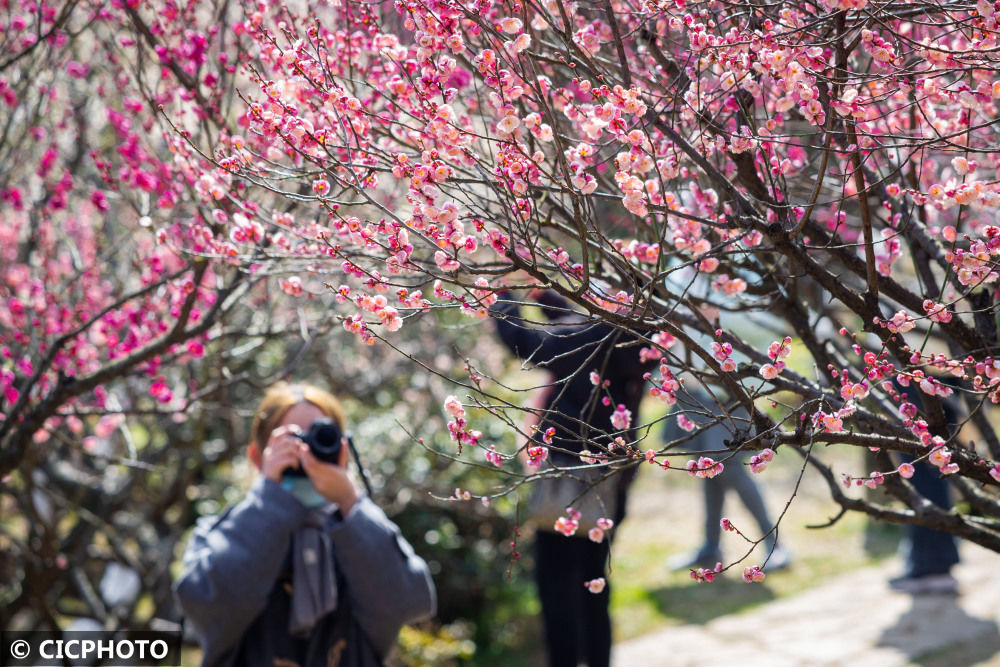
[(282, 397)]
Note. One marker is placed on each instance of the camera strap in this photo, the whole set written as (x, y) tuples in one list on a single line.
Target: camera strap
[(361, 468)]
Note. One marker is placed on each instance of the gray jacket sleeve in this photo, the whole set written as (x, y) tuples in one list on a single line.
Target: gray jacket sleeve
[(231, 563), (388, 583)]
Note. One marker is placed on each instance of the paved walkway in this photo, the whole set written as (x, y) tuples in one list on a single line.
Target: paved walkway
[(854, 620)]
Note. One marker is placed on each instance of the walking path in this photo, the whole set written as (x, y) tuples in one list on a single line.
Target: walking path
[(853, 620)]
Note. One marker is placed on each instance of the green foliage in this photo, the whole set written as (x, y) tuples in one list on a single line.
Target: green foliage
[(444, 646)]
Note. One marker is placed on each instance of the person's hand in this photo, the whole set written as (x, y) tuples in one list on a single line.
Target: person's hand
[(282, 452), (331, 481)]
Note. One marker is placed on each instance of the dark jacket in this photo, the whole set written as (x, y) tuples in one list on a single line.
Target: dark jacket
[(574, 406), (235, 588)]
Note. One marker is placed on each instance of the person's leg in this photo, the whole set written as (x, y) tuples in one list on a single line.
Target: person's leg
[(714, 492), (596, 618), (741, 481), (931, 551), (745, 486), (559, 576)]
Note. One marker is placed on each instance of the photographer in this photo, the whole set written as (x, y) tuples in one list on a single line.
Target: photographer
[(305, 570)]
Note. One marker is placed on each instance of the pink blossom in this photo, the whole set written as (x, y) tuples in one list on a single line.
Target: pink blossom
[(706, 575), (566, 526), (445, 262), (753, 574), (520, 43), (537, 455), (161, 392), (995, 472), (769, 372), (729, 286), (901, 322), (508, 124), (292, 286), (940, 457), (708, 265), (830, 423), (905, 470), (726, 524), (780, 349), (704, 467), (936, 311), (596, 586), (685, 423), (930, 386), (107, 425), (850, 391), (453, 406), (511, 25), (493, 456), (721, 351), (321, 186), (874, 480), (595, 535), (390, 318), (77, 70), (621, 418)]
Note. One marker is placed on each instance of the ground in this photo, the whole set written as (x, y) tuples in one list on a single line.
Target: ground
[(832, 607), (852, 619)]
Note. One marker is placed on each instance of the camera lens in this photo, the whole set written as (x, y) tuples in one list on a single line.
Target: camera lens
[(327, 436), (324, 439)]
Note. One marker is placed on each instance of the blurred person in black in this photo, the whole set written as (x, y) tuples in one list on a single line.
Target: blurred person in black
[(570, 347)]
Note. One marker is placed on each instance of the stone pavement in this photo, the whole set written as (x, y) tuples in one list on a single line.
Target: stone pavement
[(854, 619)]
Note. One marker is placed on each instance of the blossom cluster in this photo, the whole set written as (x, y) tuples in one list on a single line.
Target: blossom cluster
[(458, 428)]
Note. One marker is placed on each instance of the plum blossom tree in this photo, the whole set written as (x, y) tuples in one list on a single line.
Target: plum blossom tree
[(124, 341), (824, 172), (142, 310)]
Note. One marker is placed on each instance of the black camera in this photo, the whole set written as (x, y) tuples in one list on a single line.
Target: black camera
[(324, 439)]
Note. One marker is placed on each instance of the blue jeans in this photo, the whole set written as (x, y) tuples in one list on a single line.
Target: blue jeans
[(929, 551)]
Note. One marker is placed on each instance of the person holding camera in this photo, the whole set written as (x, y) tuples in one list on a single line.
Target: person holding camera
[(305, 570)]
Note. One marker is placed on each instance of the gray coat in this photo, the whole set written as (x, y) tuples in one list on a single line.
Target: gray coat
[(235, 594)]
